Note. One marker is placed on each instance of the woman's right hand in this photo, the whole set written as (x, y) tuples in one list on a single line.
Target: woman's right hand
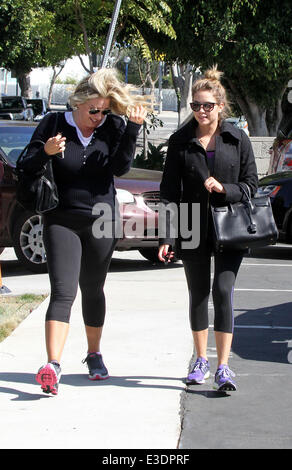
[(55, 145), (163, 252)]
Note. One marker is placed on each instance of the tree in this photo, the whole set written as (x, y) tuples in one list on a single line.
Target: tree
[(39, 33), (250, 40), (29, 38)]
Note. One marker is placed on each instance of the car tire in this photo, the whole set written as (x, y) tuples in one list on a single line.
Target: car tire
[(289, 231), (28, 242), (152, 255)]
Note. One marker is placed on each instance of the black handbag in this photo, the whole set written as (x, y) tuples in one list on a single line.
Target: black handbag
[(244, 225), (36, 192)]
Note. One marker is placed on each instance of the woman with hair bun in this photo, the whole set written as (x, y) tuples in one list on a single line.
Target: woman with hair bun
[(207, 160), (87, 146)]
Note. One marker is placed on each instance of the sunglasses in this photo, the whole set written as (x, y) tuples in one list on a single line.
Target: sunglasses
[(196, 106), (104, 112)]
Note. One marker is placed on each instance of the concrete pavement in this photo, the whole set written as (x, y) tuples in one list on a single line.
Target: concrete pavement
[(146, 347)]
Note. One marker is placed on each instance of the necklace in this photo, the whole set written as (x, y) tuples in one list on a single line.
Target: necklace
[(208, 141)]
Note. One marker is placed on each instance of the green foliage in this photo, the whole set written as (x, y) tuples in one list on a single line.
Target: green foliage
[(154, 160), (250, 40), (38, 33), (67, 81)]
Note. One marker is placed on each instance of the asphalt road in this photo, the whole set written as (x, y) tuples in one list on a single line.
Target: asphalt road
[(259, 414), (147, 336)]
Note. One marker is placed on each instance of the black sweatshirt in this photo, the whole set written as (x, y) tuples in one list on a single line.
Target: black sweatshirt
[(85, 176)]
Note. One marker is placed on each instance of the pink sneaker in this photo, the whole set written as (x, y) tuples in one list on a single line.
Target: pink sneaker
[(48, 377)]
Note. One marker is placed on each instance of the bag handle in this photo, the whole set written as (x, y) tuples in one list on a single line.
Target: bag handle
[(253, 227), (20, 157), (247, 191)]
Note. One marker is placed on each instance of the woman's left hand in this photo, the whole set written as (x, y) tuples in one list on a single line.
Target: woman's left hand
[(211, 184), (138, 114)]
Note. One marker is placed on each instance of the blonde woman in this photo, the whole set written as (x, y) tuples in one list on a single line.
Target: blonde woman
[(87, 146), (206, 161)]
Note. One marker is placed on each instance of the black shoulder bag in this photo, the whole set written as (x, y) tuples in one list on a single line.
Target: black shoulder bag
[(36, 192), (246, 224)]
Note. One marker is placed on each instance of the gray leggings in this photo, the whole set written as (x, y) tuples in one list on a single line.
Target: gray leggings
[(198, 275), (75, 256)]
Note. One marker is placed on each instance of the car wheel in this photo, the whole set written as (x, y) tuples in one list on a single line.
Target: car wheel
[(289, 231), (28, 242)]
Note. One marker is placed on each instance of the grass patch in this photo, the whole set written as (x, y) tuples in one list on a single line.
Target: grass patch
[(14, 309)]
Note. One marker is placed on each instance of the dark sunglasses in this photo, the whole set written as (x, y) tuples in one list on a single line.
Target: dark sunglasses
[(104, 112), (196, 106)]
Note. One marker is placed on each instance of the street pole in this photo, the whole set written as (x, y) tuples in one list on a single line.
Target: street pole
[(110, 33), (160, 87)]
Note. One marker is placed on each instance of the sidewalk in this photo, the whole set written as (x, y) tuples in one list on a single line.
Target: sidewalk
[(138, 407)]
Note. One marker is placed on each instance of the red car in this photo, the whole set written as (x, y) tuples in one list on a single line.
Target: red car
[(137, 192)]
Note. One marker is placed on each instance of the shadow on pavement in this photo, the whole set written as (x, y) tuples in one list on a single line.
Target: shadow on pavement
[(81, 380), (265, 334), (272, 252), (11, 268)]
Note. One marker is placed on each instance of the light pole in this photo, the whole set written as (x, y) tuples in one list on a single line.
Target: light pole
[(127, 60), (110, 33)]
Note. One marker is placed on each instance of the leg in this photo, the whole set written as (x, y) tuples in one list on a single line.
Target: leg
[(56, 335), (226, 269), (197, 273), (93, 335), (63, 249), (198, 279), (96, 258), (223, 346), (201, 342)]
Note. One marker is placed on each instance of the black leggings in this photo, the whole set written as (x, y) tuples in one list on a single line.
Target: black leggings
[(75, 255), (198, 275)]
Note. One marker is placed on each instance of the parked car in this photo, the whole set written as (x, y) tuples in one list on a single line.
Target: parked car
[(15, 108), (279, 187), (137, 192), (39, 107), (239, 122), (281, 151)]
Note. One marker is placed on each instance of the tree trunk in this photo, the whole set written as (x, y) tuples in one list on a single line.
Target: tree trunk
[(53, 81), (182, 76), (274, 117), (23, 80), (256, 118), (262, 122)]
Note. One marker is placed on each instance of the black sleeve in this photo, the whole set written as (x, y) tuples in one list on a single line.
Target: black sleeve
[(36, 158), (247, 174), (123, 146), (170, 194)]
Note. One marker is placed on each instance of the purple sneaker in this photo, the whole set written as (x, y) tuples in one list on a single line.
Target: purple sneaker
[(199, 372), (223, 379)]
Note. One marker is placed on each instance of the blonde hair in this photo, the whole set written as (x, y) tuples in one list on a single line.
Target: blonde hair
[(211, 82), (105, 84)]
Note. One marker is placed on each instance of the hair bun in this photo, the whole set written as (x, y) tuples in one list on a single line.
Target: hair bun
[(213, 74)]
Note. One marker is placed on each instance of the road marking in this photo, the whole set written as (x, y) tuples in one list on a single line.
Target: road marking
[(264, 327), (259, 327), (267, 264), (264, 290)]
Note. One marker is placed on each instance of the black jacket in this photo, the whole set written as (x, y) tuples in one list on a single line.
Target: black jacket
[(85, 176), (186, 170)]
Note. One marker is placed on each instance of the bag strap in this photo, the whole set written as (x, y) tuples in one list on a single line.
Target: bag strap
[(253, 226), (20, 157), (246, 191)]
